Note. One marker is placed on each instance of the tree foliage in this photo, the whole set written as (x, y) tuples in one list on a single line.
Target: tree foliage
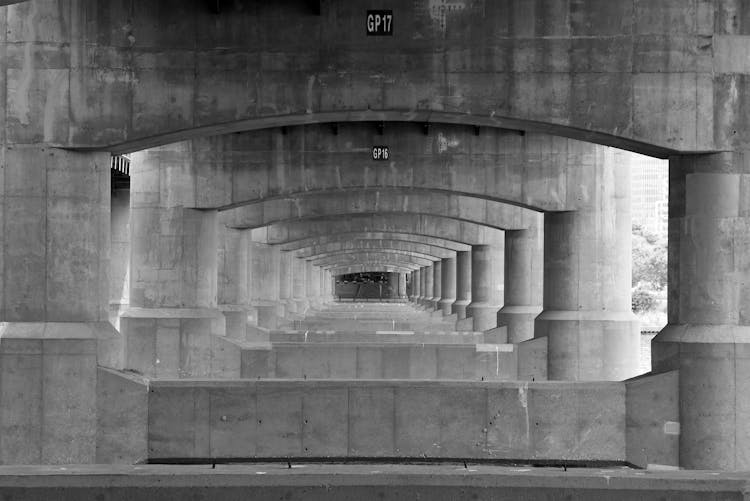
[(649, 259), (649, 269)]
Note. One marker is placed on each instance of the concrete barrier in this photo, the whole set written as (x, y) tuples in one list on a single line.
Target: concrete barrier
[(487, 362), (509, 420)]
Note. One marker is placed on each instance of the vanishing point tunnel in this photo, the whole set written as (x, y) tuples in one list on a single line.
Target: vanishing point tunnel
[(189, 186)]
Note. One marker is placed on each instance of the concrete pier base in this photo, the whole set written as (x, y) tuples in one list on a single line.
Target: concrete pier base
[(486, 285)]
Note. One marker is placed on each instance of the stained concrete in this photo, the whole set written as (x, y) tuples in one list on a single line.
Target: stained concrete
[(379, 360), (346, 418)]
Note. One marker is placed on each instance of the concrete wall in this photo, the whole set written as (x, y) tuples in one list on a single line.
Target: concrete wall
[(489, 420), (379, 361), (122, 417), (653, 419), (47, 393), (500, 63)]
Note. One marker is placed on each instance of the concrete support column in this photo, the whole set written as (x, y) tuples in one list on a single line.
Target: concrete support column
[(463, 284), (437, 285), (232, 286), (422, 285), (402, 285), (312, 284), (119, 270), (591, 332), (486, 285), (173, 292), (264, 284), (285, 282), (173, 319), (448, 285), (54, 306), (299, 285), (429, 285), (416, 285), (524, 264), (707, 337)]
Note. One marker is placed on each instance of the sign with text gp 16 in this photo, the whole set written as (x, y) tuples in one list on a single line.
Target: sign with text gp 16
[(380, 153)]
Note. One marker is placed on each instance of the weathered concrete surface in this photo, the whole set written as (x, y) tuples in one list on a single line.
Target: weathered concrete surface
[(375, 236), (672, 70), (232, 282), (387, 199), (372, 244), (411, 337), (396, 256), (119, 270), (378, 360), (463, 284), (486, 285), (432, 226), (532, 359), (122, 418), (537, 171), (592, 332), (707, 334), (48, 392), (448, 285), (342, 418), (524, 293), (389, 482), (653, 419)]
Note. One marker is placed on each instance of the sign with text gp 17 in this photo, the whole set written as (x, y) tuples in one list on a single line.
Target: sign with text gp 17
[(379, 23)]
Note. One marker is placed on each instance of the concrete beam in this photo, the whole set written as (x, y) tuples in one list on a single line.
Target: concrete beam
[(373, 267), (651, 88), (382, 200), (392, 236), (433, 226), (355, 257), (363, 245), (536, 171)]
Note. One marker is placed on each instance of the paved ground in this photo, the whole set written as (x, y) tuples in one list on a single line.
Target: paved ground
[(363, 481)]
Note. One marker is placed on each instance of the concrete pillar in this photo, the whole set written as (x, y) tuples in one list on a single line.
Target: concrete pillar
[(119, 271), (591, 332), (232, 286), (312, 284), (264, 284), (437, 285), (55, 302), (173, 319), (401, 286), (416, 285), (486, 285), (173, 292), (524, 264), (422, 285), (707, 337), (285, 282), (463, 284), (429, 286), (299, 285), (448, 285)]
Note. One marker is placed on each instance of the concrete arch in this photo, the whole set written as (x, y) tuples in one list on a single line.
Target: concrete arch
[(375, 236), (364, 268), (434, 226), (536, 171), (355, 257), (365, 245), (487, 62), (487, 212)]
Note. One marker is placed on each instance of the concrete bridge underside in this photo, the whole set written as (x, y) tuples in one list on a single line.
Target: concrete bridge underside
[(503, 209)]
